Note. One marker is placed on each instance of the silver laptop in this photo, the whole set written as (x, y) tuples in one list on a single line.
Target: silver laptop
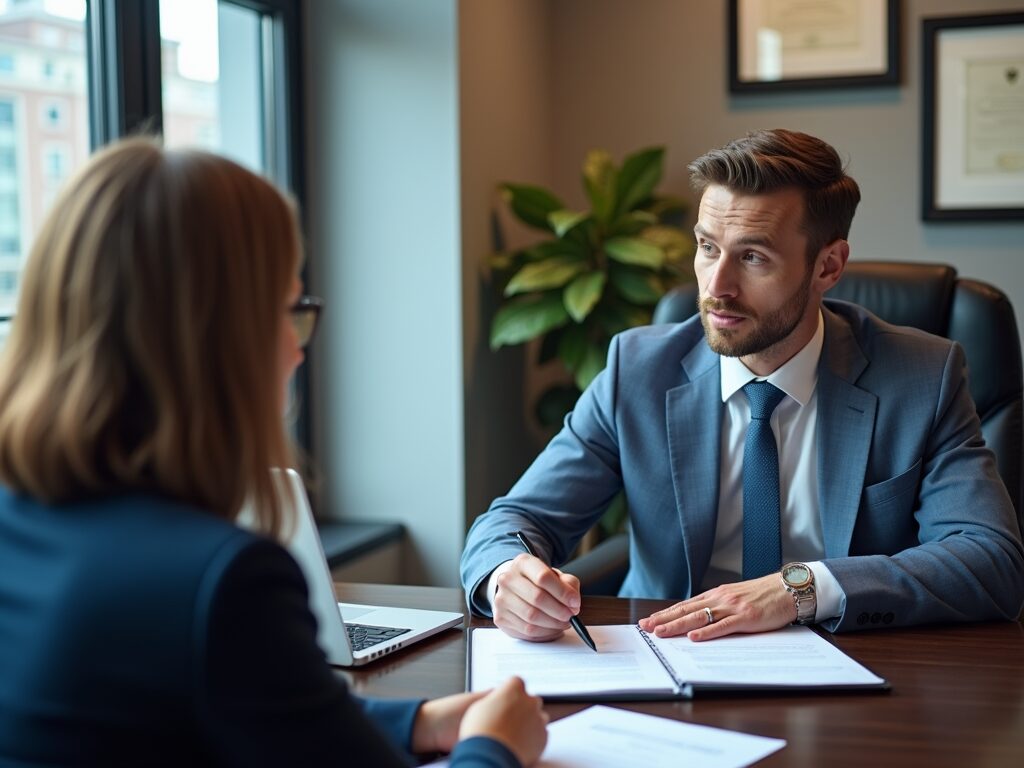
[(348, 633)]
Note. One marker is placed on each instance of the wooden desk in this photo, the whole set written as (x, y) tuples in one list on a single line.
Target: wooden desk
[(957, 694)]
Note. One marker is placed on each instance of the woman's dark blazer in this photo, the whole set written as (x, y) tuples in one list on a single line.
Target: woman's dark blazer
[(137, 631)]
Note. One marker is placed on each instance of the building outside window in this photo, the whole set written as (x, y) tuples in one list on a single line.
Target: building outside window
[(44, 123), (212, 78), (53, 115)]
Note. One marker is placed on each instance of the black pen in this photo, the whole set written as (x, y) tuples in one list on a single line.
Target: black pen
[(576, 623)]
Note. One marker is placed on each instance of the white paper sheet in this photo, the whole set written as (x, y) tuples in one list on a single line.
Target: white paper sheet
[(793, 656), (624, 663), (604, 737)]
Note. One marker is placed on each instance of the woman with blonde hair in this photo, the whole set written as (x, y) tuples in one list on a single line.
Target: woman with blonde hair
[(141, 393)]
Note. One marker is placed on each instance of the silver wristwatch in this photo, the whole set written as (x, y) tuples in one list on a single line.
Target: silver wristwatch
[(798, 580)]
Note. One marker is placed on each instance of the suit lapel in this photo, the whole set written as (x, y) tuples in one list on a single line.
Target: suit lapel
[(846, 419), (693, 413)]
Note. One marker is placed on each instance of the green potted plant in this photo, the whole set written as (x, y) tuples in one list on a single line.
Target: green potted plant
[(597, 272)]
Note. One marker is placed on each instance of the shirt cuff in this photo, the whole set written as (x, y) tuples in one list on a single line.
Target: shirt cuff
[(830, 598), (492, 583), (394, 717), (483, 752)]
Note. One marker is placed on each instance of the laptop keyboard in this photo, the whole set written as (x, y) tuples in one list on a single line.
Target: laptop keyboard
[(364, 635)]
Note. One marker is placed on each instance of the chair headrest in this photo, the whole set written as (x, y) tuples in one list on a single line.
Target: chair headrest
[(915, 294)]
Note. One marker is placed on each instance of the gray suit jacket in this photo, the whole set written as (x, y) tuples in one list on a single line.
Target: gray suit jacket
[(917, 524)]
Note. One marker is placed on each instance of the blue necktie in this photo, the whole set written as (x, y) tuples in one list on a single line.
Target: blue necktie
[(762, 536)]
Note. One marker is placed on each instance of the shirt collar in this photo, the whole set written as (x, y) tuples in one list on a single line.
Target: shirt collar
[(797, 377)]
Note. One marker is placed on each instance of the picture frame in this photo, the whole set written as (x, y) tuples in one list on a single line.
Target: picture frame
[(786, 45), (972, 118)]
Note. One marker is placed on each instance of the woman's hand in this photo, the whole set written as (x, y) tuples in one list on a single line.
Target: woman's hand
[(436, 728), (509, 715)]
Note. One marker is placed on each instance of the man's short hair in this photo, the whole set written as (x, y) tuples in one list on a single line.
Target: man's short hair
[(771, 160)]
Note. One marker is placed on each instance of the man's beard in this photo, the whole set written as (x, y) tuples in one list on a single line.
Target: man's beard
[(767, 331)]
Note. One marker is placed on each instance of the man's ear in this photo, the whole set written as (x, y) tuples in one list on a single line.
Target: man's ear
[(830, 263)]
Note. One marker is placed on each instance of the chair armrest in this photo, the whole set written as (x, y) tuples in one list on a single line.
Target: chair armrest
[(602, 569)]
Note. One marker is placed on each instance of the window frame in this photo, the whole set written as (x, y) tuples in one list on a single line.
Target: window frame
[(125, 97)]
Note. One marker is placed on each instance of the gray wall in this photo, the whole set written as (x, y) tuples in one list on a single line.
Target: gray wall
[(654, 72), (415, 110), (384, 250)]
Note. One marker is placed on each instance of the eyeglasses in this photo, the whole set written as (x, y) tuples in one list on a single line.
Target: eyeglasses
[(304, 314)]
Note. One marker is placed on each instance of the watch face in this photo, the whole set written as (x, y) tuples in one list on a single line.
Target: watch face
[(796, 575)]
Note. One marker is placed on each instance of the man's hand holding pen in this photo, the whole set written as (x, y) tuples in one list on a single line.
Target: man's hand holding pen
[(534, 601)]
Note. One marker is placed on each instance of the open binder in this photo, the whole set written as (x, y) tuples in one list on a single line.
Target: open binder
[(633, 665)]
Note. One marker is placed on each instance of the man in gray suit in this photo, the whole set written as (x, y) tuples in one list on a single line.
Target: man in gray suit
[(852, 489)]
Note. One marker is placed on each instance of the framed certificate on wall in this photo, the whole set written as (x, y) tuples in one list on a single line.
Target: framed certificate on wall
[(972, 118), (779, 45)]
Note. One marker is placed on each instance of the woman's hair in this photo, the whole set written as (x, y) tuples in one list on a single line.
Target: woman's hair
[(767, 161), (143, 355)]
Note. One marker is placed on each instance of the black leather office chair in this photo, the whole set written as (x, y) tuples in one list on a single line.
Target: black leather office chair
[(926, 296)]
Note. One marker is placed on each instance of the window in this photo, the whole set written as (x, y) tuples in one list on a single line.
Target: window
[(53, 115), (229, 74), (8, 209), (50, 37), (222, 75), (35, 97), (218, 63), (55, 163)]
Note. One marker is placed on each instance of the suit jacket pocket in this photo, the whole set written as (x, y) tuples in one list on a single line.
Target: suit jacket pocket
[(887, 490), (885, 522)]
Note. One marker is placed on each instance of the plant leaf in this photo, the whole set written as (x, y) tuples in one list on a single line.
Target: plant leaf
[(526, 318), (674, 242), (613, 520), (549, 344), (500, 260), (583, 293), (636, 285), (572, 345), (593, 363), (640, 174), (615, 317), (562, 221), (633, 250), (550, 248), (531, 204), (669, 209), (632, 223), (555, 403), (541, 275), (599, 179)]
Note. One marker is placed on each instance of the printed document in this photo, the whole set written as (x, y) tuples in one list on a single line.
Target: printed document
[(603, 737), (630, 664)]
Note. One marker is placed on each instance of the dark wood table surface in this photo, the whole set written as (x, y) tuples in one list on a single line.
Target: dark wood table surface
[(957, 695)]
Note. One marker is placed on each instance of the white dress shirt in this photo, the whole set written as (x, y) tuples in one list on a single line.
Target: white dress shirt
[(794, 423)]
